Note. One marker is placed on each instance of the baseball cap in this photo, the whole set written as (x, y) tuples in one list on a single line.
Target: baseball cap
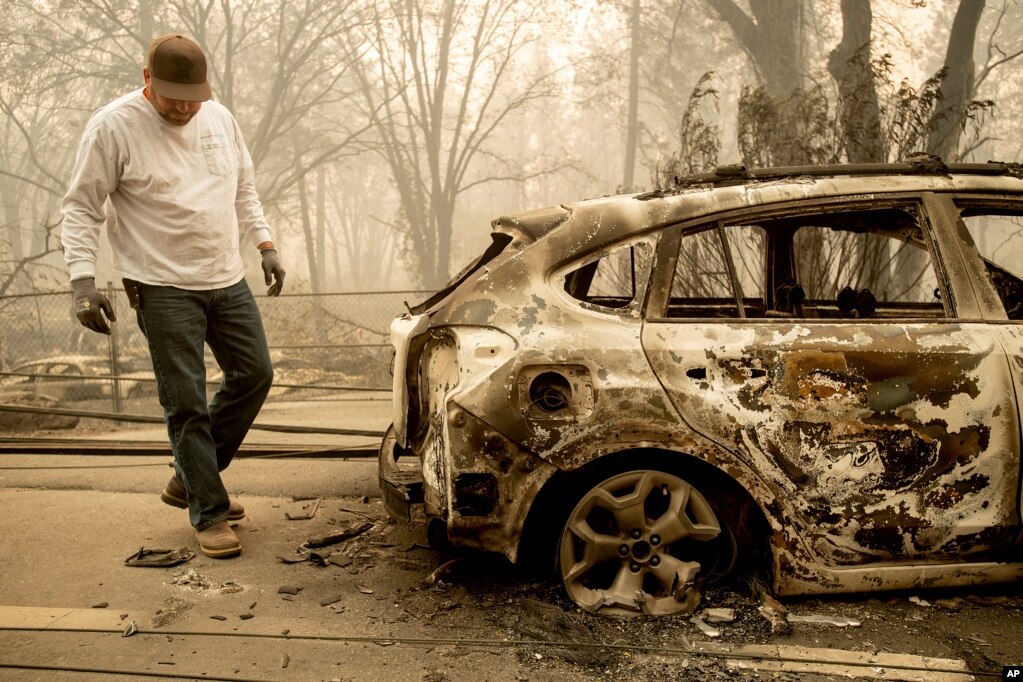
[(177, 68)]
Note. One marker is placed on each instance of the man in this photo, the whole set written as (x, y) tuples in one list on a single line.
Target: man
[(174, 167)]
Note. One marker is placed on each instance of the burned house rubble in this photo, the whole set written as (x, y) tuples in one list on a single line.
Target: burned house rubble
[(810, 374)]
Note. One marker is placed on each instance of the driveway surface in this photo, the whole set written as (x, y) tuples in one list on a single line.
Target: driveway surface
[(386, 606)]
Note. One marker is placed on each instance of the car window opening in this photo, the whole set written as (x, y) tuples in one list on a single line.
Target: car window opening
[(837, 265), (608, 282), (498, 243), (997, 233)]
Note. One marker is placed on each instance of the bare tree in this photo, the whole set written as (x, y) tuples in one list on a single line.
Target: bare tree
[(850, 66), (284, 68), (957, 87), (363, 244), (771, 37), (437, 85), (997, 54), (43, 52)]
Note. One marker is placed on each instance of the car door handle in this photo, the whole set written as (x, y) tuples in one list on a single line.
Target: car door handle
[(700, 373)]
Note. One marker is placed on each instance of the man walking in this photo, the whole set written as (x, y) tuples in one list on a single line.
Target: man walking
[(180, 180)]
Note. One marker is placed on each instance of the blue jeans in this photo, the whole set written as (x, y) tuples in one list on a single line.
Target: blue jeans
[(205, 437)]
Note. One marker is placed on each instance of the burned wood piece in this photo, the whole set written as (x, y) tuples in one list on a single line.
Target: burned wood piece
[(308, 511), (338, 536)]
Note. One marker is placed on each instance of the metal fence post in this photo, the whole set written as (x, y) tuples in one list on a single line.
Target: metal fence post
[(115, 365)]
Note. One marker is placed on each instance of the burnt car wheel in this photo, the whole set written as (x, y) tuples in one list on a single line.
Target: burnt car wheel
[(641, 542)]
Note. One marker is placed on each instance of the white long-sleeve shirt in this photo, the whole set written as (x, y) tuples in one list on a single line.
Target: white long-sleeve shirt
[(181, 195)]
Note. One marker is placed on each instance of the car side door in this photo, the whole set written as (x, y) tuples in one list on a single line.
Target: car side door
[(822, 345), (990, 230)]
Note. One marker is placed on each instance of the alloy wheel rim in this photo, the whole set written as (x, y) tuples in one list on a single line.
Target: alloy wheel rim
[(627, 546)]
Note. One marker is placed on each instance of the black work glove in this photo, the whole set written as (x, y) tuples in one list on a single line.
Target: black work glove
[(273, 270), (90, 305)]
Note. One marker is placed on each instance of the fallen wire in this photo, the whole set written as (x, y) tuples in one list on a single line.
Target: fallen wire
[(300, 453), (275, 455), (478, 642), (146, 419), (152, 380), (85, 466), (126, 673)]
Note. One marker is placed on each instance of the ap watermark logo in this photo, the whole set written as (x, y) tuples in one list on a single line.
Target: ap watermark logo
[(1012, 672)]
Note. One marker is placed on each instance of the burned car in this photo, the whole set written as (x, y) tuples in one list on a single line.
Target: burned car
[(809, 373), (65, 377)]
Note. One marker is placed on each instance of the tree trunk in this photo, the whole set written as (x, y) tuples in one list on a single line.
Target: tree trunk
[(321, 225), (307, 231), (632, 125), (226, 95), (772, 39), (849, 65), (443, 216), (957, 88)]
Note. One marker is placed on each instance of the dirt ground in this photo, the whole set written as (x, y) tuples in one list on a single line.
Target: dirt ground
[(386, 605)]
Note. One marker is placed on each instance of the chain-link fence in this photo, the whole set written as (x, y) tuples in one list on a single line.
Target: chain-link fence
[(320, 345)]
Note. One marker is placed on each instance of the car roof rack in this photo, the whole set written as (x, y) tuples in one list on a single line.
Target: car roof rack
[(918, 164)]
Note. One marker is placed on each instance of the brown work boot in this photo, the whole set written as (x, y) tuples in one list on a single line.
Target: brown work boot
[(176, 496), (219, 541)]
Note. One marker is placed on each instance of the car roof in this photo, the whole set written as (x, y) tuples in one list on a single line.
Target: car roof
[(732, 187)]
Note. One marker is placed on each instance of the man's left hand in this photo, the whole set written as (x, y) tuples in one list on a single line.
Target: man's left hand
[(273, 272)]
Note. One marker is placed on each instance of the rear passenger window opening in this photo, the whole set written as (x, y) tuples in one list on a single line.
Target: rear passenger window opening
[(853, 264), (607, 282)]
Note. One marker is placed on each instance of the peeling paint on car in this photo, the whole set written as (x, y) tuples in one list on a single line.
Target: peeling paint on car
[(880, 453)]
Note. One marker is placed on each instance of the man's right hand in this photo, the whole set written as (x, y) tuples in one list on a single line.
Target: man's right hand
[(89, 303)]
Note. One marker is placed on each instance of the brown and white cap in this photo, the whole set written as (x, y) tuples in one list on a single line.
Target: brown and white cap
[(177, 68)]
